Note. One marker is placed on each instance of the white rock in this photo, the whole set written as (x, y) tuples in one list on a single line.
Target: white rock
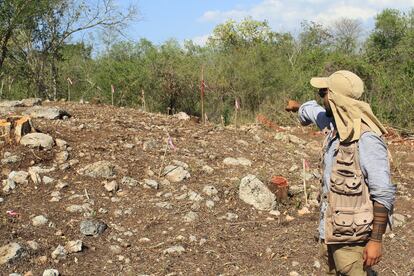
[(35, 140), (230, 161), (175, 173), (60, 185), (178, 249), (59, 253), (75, 208), (293, 168), (210, 204), (303, 211), (181, 164), (182, 116), (193, 196), (274, 213), (50, 113), (10, 252), (111, 186), (11, 104), (73, 246), (8, 185), (152, 184), (244, 162), (35, 177), (39, 220), (254, 192), (19, 177), (116, 249), (50, 272), (207, 169), (398, 220), (165, 205), (129, 181), (210, 190), (33, 245), (62, 157), (190, 216), (229, 216), (103, 169), (47, 180), (62, 144)]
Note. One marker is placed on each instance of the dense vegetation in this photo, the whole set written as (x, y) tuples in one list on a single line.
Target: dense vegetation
[(245, 60)]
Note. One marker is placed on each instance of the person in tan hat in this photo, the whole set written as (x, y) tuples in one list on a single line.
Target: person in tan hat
[(357, 195)]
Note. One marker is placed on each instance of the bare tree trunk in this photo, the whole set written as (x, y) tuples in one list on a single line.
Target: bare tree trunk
[(54, 77)]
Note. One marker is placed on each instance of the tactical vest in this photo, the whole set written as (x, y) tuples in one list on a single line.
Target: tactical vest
[(349, 215)]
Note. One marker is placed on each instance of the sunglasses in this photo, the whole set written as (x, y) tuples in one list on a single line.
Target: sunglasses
[(322, 92)]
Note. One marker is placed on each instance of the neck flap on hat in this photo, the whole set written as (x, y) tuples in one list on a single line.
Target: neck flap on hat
[(350, 115)]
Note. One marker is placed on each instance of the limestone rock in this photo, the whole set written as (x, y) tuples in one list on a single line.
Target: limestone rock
[(19, 177), (182, 116), (31, 102), (149, 183), (10, 252), (210, 190), (59, 253), (8, 185), (103, 169), (175, 173), (111, 186), (35, 140), (178, 249), (129, 181), (92, 228), (50, 113), (73, 246), (254, 192), (50, 272), (11, 104), (39, 220), (230, 161)]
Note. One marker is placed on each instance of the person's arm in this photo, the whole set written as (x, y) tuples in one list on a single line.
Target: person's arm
[(311, 112), (375, 167)]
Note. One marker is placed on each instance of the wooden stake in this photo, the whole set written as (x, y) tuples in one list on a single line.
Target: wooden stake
[(143, 99), (304, 182), (202, 95)]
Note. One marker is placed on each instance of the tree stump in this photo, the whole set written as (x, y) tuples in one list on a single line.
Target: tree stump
[(13, 128)]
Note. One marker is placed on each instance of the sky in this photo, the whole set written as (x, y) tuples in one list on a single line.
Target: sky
[(161, 20)]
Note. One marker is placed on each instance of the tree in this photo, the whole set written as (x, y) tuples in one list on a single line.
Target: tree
[(346, 33)]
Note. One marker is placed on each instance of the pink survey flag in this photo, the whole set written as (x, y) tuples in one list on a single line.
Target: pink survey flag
[(237, 104), (171, 144), (112, 88), (306, 163), (69, 81)]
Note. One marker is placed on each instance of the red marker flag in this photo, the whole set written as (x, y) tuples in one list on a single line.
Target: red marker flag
[(112, 88)]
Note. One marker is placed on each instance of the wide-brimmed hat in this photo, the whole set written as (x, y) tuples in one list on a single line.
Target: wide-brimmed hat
[(350, 114), (342, 82)]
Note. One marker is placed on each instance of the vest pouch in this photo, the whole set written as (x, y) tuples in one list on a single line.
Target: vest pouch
[(363, 222), (345, 155), (343, 224), (346, 182)]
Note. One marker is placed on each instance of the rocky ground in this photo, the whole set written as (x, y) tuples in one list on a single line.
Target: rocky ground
[(116, 191)]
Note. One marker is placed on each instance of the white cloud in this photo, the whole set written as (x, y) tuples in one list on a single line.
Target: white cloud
[(340, 11), (287, 15)]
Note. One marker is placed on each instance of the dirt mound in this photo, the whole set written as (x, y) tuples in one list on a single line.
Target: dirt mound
[(124, 192)]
